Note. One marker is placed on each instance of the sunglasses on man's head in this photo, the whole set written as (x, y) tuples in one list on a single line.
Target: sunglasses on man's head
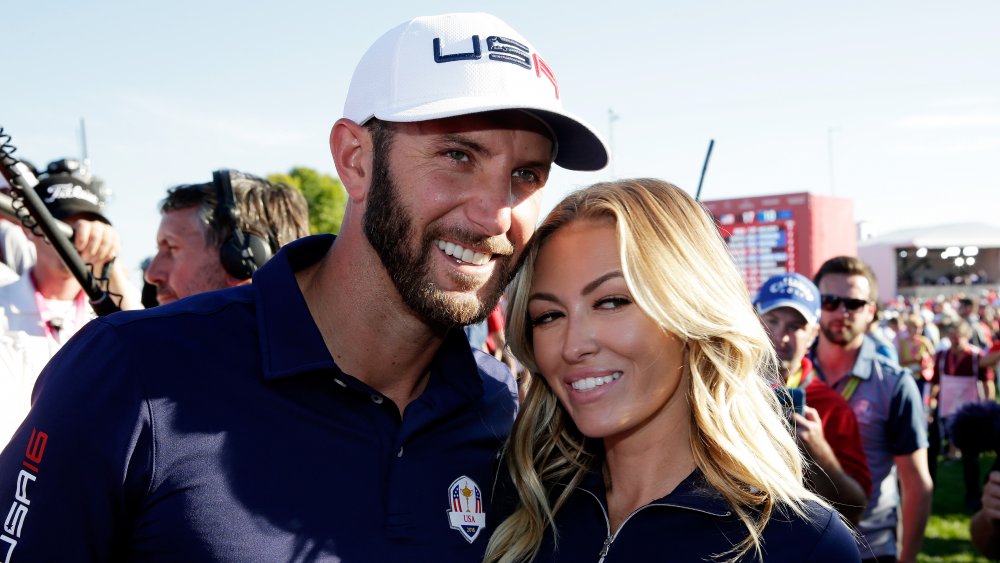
[(832, 303)]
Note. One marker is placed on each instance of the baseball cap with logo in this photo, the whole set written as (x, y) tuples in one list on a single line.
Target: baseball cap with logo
[(789, 290), (66, 195), (434, 67)]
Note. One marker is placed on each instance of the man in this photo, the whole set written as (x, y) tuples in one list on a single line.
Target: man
[(961, 377), (192, 232), (828, 430), (981, 334), (888, 406), (332, 410), (45, 307)]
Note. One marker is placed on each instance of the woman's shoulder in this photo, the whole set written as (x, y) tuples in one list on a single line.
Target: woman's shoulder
[(818, 535)]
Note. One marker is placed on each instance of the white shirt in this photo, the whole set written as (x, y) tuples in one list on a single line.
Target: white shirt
[(27, 344)]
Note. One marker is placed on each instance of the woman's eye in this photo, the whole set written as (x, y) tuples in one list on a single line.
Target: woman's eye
[(544, 318), (615, 302)]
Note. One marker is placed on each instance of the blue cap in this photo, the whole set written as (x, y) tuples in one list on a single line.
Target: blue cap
[(789, 290)]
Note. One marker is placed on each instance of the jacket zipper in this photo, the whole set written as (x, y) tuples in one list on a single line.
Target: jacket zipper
[(612, 536)]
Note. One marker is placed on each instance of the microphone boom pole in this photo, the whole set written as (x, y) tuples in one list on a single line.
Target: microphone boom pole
[(22, 181)]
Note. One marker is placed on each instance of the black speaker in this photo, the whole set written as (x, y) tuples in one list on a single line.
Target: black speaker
[(242, 253)]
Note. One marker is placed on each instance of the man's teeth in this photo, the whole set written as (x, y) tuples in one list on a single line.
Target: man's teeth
[(463, 254), (589, 383)]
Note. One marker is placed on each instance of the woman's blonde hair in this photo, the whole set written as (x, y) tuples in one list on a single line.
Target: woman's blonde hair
[(680, 274)]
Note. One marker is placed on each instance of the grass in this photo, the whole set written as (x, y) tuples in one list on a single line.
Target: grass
[(947, 536)]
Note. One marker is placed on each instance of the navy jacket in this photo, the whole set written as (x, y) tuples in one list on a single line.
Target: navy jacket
[(691, 523)]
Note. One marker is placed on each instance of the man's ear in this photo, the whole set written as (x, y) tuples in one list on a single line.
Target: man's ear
[(351, 148)]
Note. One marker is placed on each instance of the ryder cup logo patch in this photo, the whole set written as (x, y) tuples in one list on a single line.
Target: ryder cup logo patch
[(466, 514)]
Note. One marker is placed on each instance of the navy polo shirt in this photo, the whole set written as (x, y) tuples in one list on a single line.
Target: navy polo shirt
[(691, 523), (218, 428)]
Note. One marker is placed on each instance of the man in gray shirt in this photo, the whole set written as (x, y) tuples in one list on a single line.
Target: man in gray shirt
[(885, 399)]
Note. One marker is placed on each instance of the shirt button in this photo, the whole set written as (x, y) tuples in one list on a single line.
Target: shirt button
[(400, 452), (338, 381), (377, 399)]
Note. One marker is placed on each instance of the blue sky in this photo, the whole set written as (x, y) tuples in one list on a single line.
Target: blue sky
[(893, 104)]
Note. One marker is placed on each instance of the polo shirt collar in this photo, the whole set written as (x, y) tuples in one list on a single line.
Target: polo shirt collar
[(290, 341), (867, 355)]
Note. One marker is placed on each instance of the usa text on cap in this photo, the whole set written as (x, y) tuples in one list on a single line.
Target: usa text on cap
[(433, 67)]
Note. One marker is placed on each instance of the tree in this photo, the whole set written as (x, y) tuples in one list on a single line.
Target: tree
[(324, 193)]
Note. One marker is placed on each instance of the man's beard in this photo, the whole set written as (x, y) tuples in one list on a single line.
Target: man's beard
[(389, 229), (843, 336)]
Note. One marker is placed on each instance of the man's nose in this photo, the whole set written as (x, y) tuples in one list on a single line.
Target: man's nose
[(490, 208), (154, 272)]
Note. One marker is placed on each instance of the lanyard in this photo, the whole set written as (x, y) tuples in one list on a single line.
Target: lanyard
[(795, 380), (849, 388)]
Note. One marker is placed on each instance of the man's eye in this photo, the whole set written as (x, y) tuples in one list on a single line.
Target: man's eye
[(457, 156), (526, 175)]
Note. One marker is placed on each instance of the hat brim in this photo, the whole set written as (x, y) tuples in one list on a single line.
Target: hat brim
[(579, 145), (808, 315), (66, 209)]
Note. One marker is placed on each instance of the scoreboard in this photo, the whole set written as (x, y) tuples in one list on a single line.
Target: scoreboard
[(771, 235)]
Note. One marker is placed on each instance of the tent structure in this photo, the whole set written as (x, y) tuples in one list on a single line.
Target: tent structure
[(920, 261)]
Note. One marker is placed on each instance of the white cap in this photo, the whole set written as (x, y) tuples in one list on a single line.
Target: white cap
[(433, 67)]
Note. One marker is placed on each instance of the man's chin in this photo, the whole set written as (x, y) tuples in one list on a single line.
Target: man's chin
[(458, 308), (841, 339)]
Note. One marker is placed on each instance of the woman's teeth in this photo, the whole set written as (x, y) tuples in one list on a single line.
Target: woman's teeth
[(589, 383)]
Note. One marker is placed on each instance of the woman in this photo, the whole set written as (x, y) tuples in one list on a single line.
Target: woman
[(651, 431), (916, 352)]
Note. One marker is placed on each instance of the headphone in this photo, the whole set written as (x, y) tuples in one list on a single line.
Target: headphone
[(242, 253)]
